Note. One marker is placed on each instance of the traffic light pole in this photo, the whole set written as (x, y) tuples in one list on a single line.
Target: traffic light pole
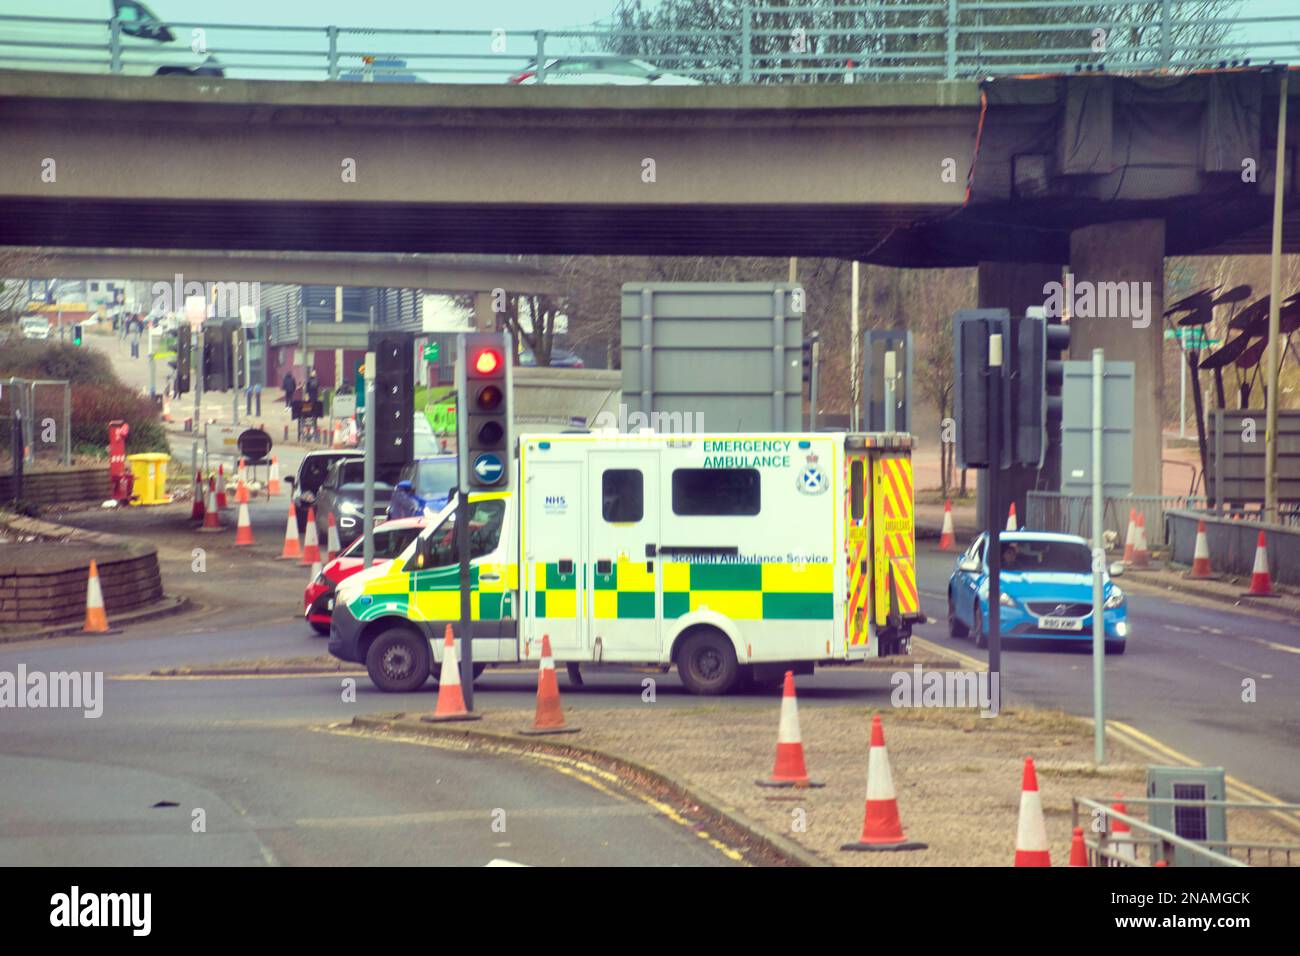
[(466, 623), (995, 474), (368, 500), (1098, 565)]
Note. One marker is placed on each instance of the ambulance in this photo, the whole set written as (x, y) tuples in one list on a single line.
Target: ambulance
[(733, 558)]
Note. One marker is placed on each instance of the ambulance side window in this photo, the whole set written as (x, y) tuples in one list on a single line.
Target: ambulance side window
[(716, 491), (622, 495), (855, 489)]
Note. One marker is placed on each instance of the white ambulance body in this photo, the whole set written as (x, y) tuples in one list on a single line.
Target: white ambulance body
[(733, 557)]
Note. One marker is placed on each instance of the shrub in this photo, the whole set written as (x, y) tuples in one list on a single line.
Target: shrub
[(32, 358), (93, 407)]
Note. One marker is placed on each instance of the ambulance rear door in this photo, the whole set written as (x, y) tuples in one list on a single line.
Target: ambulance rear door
[(859, 638), (552, 573)]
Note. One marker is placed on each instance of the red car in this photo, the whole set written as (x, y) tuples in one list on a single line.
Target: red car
[(391, 539)]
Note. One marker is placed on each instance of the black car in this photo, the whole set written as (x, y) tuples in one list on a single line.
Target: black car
[(310, 477), (342, 494)]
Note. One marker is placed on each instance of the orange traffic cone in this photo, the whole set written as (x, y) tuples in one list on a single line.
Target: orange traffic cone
[(273, 479), (1130, 539), (311, 540), (789, 769), (221, 487), (1201, 557), (1119, 828), (198, 508), (291, 549), (1011, 518), (1141, 556), (1078, 850), (244, 527), (947, 539), (332, 547), (1261, 585), (241, 490), (549, 717), (212, 515), (96, 619), (1031, 833), (882, 829), (451, 699)]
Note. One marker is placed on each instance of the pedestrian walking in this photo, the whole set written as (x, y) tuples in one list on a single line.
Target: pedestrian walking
[(313, 385), (290, 385)]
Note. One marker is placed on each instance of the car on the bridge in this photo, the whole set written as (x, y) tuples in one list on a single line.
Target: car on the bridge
[(601, 69), (423, 487), (74, 37), (391, 539), (1046, 585)]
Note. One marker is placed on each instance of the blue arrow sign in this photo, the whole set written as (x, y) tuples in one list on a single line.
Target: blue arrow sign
[(488, 468)]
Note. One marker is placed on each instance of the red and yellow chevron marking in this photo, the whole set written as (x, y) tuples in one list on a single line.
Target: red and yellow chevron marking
[(857, 605), (894, 536)]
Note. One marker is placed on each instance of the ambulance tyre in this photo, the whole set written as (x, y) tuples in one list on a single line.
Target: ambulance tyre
[(398, 660), (706, 662)]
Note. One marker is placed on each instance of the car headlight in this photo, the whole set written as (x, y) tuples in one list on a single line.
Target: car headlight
[(348, 508), (1116, 597), (1006, 600)]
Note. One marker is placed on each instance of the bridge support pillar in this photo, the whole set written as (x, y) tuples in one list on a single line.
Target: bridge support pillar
[(1127, 322), (1015, 286)]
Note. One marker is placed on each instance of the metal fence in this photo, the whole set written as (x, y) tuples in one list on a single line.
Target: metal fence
[(1072, 514), (840, 42), (1149, 845), (46, 418), (1233, 537)]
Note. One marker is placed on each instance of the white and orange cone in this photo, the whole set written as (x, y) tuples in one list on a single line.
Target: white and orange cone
[(549, 716), (947, 537), (1078, 849), (291, 549), (789, 769), (241, 489), (1119, 828), (198, 508), (451, 698), (882, 828), (96, 619), (1131, 537), (1011, 518), (1261, 583), (311, 540), (1201, 570), (212, 515), (244, 527), (1141, 556), (332, 547), (273, 479), (221, 487), (1031, 832)]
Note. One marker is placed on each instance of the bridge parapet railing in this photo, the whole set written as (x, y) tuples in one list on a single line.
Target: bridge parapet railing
[(811, 42)]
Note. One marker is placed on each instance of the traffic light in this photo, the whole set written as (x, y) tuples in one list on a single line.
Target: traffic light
[(972, 330), (76, 334), (483, 386), (807, 361), (216, 358), (1057, 350), (184, 355), (394, 411)]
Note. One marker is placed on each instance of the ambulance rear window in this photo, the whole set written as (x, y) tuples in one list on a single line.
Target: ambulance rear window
[(855, 490), (716, 491), (622, 494)]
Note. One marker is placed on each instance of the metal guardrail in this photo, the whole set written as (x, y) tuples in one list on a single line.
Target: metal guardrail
[(1072, 514), (827, 41), (1148, 845)]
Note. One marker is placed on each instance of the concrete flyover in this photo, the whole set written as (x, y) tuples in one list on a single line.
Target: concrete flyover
[(370, 270)]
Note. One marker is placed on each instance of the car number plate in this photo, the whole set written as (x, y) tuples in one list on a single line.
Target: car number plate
[(1060, 623)]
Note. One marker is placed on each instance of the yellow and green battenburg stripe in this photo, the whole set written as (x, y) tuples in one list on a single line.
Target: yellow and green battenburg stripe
[(434, 595), (743, 592)]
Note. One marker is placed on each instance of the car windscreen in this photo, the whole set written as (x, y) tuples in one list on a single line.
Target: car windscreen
[(1060, 557), (435, 478)]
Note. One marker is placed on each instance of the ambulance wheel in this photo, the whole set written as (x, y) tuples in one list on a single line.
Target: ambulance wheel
[(398, 661), (955, 627), (977, 629), (706, 663)]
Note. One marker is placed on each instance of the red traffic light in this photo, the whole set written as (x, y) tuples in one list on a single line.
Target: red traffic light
[(487, 361)]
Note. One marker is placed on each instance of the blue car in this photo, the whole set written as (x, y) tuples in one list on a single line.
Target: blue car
[(1046, 592), (423, 487)]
